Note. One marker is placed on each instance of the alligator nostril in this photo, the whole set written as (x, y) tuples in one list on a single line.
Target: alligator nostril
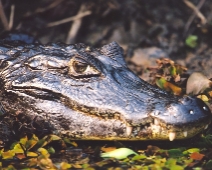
[(191, 112)]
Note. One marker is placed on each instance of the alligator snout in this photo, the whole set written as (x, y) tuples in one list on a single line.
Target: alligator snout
[(182, 119)]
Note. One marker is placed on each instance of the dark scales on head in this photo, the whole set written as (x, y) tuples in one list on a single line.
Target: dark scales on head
[(90, 94)]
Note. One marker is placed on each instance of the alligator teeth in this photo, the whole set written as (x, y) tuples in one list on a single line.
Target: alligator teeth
[(156, 122), (185, 133), (129, 130), (172, 136)]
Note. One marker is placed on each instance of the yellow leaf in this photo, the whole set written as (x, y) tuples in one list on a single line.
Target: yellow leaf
[(55, 137), (17, 147), (8, 154), (32, 162), (65, 165), (23, 140), (32, 154), (77, 166), (43, 152), (203, 97), (18, 150), (46, 164)]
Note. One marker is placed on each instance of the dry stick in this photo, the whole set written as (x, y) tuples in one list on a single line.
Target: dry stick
[(190, 20), (197, 12), (40, 10), (11, 16), (76, 17), (75, 27), (3, 17)]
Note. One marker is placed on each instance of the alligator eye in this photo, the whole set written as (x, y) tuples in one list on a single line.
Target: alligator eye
[(80, 67)]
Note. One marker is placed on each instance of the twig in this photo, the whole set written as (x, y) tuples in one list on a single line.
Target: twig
[(3, 17), (196, 10), (190, 20), (76, 17), (11, 16), (75, 26), (40, 10)]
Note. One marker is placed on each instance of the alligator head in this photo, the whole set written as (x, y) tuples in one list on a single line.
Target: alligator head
[(88, 93)]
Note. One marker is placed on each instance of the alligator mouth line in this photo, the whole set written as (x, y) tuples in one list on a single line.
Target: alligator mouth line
[(149, 128), (160, 130)]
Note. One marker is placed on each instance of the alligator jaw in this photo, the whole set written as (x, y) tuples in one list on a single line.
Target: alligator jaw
[(157, 129)]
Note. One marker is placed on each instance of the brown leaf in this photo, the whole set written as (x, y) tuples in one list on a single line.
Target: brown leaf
[(175, 89), (20, 156), (197, 156), (108, 149), (151, 150)]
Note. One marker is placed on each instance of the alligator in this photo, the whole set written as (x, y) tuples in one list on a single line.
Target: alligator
[(89, 93)]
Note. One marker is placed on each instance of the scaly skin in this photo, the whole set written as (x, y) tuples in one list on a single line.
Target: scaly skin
[(90, 94)]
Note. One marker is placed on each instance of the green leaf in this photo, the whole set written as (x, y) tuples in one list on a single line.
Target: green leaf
[(173, 70), (171, 162), (176, 167), (192, 150), (160, 82), (139, 157), (174, 153), (191, 41), (120, 153), (51, 150), (32, 142)]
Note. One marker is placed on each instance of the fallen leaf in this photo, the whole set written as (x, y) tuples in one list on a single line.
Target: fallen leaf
[(203, 98), (197, 156), (197, 83), (164, 84), (8, 154), (108, 149), (192, 150), (120, 153)]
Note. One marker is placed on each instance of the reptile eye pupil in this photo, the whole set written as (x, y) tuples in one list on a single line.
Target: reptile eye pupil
[(79, 67)]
